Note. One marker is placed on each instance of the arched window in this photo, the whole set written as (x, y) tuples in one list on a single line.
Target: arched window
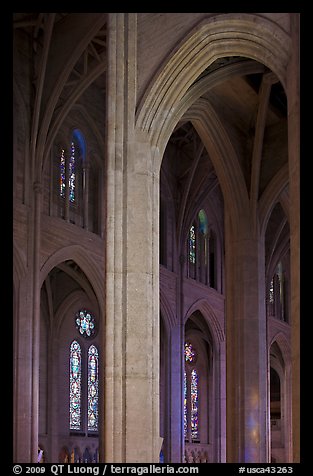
[(70, 158), (77, 183), (68, 171), (84, 376), (192, 244), (93, 388), (201, 249), (194, 410), (191, 395), (277, 294), (75, 385)]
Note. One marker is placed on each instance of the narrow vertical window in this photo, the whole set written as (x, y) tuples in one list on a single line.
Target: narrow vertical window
[(191, 394), (271, 291), (192, 245), (93, 384), (194, 405), (203, 246), (185, 407), (189, 352), (75, 386), (203, 222)]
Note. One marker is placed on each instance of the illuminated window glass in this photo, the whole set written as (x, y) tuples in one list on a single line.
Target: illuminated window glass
[(192, 245), (203, 222), (62, 174), (185, 406), (85, 323), (194, 405), (75, 386), (72, 174), (271, 291), (191, 395), (190, 354), (93, 386)]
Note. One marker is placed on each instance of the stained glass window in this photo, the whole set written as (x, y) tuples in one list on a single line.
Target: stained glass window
[(85, 323), (93, 384), (62, 174), (75, 386), (271, 292), (68, 169), (192, 245), (72, 174), (191, 395), (190, 354), (203, 222), (185, 406), (194, 405)]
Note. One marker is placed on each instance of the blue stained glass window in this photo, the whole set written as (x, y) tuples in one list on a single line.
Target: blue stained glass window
[(85, 323), (93, 386), (75, 386), (194, 405)]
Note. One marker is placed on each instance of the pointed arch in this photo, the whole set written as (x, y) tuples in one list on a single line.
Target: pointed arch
[(284, 346), (229, 34), (77, 254), (210, 317)]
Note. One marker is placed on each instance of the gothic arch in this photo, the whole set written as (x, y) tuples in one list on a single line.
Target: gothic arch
[(233, 34), (77, 254), (284, 346), (244, 35), (282, 366), (211, 319), (223, 156)]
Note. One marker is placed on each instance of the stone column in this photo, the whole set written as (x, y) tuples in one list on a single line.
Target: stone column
[(27, 341), (220, 404), (36, 321), (131, 340), (293, 96), (22, 389), (246, 355)]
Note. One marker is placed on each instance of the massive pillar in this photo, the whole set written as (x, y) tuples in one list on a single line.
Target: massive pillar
[(22, 388), (246, 353), (131, 340)]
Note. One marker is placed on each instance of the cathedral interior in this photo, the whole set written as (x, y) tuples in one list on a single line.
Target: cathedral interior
[(156, 237)]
